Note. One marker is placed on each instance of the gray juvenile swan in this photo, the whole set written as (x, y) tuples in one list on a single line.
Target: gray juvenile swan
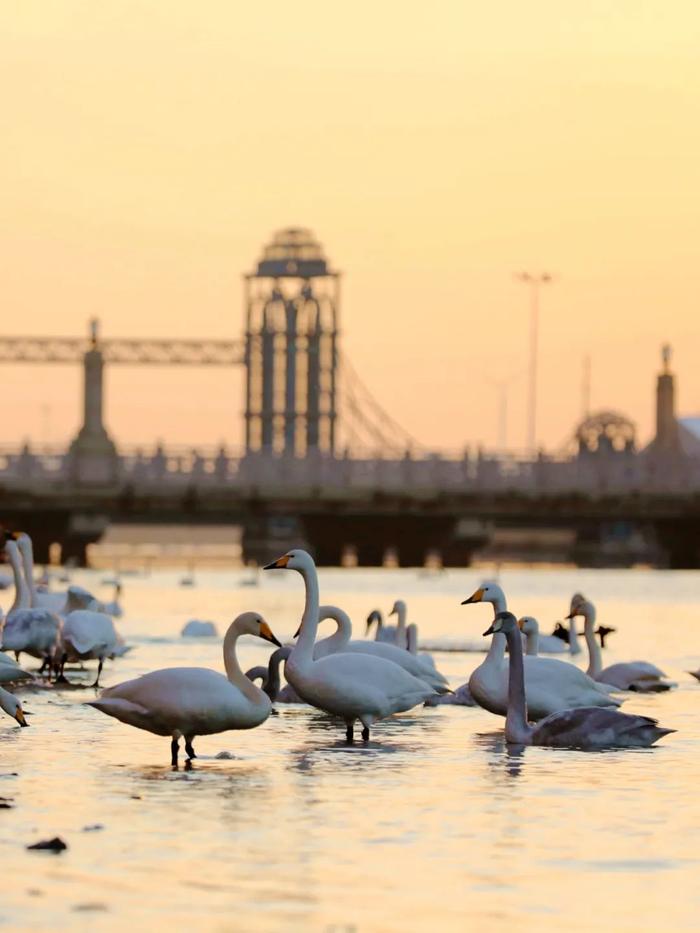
[(584, 727)]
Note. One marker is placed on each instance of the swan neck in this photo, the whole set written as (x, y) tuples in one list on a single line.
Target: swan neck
[(27, 553), (574, 647), (233, 669), (304, 649), (497, 649), (412, 639), (22, 598), (340, 637), (595, 662), (532, 643), (517, 728), (273, 680)]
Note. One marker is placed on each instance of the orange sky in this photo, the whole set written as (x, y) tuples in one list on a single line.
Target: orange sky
[(150, 149)]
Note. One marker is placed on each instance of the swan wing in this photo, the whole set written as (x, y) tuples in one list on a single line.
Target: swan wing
[(591, 727), (191, 700)]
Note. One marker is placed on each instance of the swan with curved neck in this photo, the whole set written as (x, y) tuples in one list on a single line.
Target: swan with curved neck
[(12, 706), (349, 685), (340, 641), (184, 702), (551, 684), (638, 676), (33, 630), (583, 727)]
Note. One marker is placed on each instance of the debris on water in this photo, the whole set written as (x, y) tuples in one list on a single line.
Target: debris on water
[(89, 907), (226, 755), (50, 845), (93, 827), (6, 803), (35, 892), (135, 796)]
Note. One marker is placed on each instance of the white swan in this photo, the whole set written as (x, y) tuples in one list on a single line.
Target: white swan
[(11, 672), (113, 607), (638, 676), (412, 645), (583, 727), (32, 630), (88, 635), (351, 686), (190, 701), (340, 642), (11, 705), (195, 628), (550, 684), (75, 597), (383, 633)]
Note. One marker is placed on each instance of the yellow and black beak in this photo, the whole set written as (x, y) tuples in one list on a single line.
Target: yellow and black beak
[(278, 564), (266, 633), (475, 597), (572, 614), (490, 630), (19, 716)]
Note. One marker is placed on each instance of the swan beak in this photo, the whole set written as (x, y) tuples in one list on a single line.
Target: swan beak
[(278, 564), (521, 622), (266, 633), (19, 716), (475, 597), (571, 615), (490, 630)]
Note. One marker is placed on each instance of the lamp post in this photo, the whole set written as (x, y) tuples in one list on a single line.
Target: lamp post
[(534, 281)]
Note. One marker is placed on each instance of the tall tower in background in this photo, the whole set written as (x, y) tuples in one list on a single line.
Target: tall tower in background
[(292, 310), (666, 439)]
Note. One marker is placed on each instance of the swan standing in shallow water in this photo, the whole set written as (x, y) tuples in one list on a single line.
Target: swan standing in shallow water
[(28, 628), (551, 685), (351, 686), (11, 705), (638, 676), (88, 635), (191, 701), (583, 727)]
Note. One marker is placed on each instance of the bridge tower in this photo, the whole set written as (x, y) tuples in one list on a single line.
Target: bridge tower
[(292, 310), (92, 452)]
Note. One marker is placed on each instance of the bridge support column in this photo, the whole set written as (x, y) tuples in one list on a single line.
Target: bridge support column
[(93, 454)]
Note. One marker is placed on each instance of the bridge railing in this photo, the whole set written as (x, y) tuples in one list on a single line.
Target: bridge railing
[(171, 468)]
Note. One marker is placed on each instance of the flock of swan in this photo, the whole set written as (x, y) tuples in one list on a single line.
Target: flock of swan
[(546, 701)]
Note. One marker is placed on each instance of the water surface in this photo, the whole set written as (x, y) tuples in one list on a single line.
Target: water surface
[(433, 825)]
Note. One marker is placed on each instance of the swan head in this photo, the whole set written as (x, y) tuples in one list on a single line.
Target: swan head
[(252, 623), (504, 622), (528, 625), (398, 608), (486, 593), (578, 606), (296, 559), (374, 616), (11, 705)]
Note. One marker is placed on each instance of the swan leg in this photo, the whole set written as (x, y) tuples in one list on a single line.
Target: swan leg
[(349, 732), (17, 656), (365, 734), (174, 749), (188, 746), (99, 671), (60, 676)]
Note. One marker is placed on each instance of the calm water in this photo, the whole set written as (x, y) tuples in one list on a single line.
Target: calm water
[(433, 825)]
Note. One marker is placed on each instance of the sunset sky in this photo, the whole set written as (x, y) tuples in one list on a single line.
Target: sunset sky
[(150, 149)]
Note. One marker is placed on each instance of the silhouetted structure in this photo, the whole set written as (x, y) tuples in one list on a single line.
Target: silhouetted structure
[(291, 360)]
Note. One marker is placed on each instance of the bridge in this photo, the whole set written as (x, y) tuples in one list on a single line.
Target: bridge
[(325, 466)]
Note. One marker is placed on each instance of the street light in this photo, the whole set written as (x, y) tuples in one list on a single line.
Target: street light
[(534, 281)]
